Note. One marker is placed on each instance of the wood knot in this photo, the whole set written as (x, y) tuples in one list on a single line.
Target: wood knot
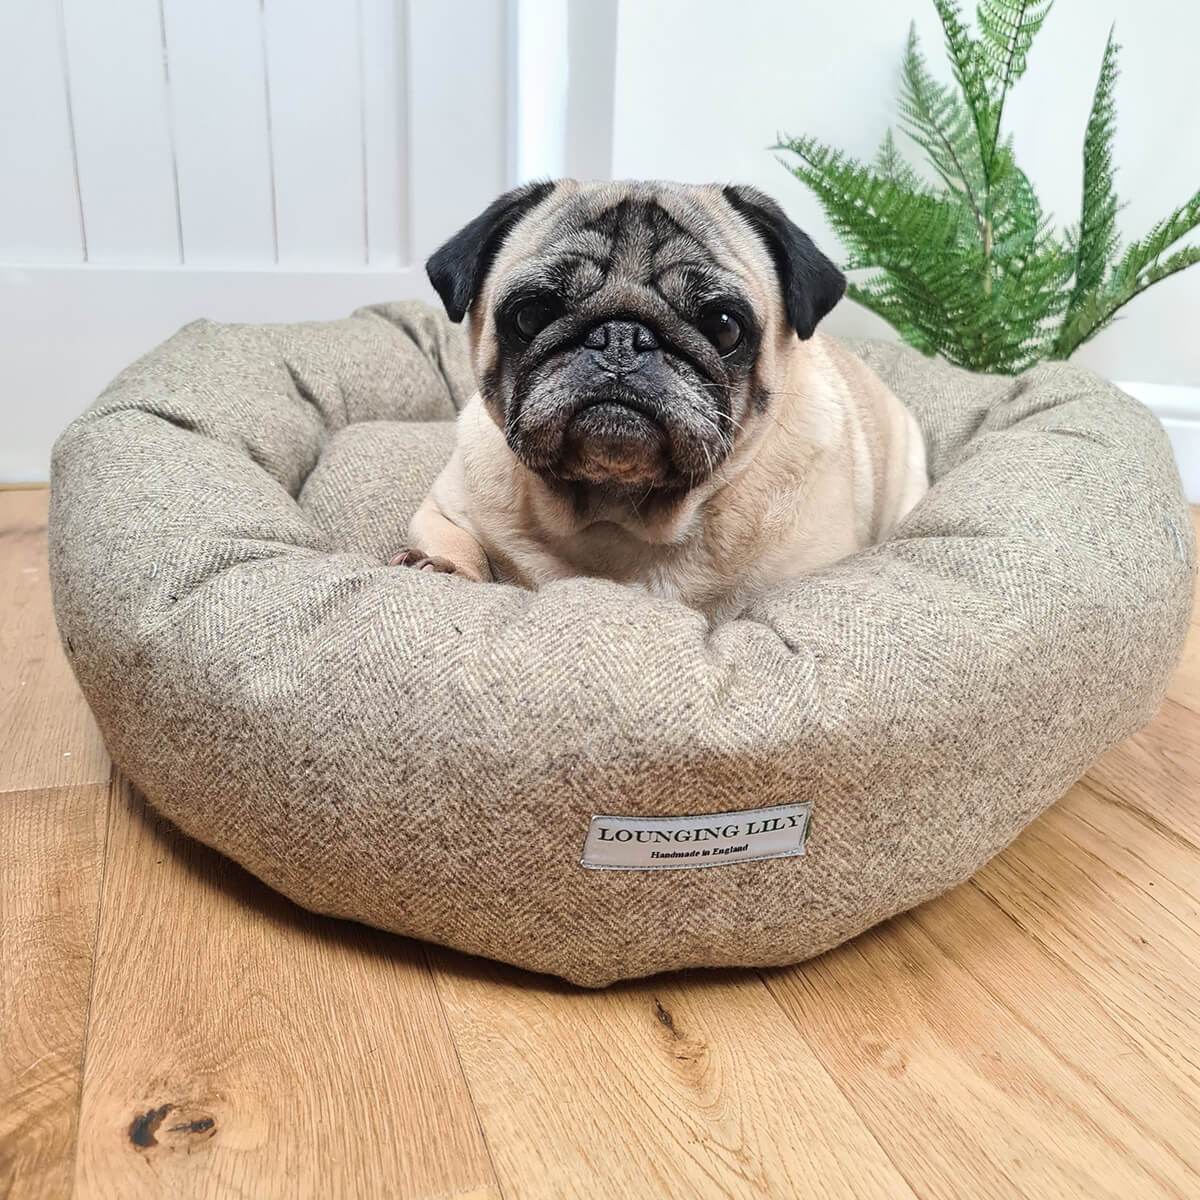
[(146, 1129), (665, 1019)]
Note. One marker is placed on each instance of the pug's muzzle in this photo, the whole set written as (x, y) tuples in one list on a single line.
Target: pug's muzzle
[(618, 408)]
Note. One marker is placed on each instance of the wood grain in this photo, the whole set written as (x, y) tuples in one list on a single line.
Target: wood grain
[(964, 1097), (51, 844), (238, 1046), (675, 1087), (47, 734), (1117, 925)]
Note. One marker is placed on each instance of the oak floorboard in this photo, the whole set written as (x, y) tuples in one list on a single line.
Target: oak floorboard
[(1115, 923), (965, 1097), (239, 1046), (677, 1086), (52, 848)]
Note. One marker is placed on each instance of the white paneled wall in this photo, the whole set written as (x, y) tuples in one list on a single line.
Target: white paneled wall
[(266, 160), (216, 87), (116, 79), (39, 196), (316, 120), (239, 132)]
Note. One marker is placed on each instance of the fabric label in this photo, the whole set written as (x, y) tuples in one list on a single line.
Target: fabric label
[(710, 840)]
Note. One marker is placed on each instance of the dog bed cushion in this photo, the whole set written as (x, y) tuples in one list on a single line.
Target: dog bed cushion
[(426, 754)]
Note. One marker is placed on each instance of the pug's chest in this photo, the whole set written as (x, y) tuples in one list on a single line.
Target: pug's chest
[(726, 556), (689, 573)]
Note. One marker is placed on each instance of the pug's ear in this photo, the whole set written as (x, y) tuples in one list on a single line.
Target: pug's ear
[(458, 268), (811, 284)]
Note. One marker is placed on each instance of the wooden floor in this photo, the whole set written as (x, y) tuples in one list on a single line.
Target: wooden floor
[(169, 1027)]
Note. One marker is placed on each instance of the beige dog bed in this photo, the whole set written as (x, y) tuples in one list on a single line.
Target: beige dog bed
[(427, 755)]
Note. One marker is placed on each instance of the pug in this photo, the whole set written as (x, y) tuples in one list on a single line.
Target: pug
[(655, 406)]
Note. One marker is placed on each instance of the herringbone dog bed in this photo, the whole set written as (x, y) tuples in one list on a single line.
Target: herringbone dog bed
[(427, 755)]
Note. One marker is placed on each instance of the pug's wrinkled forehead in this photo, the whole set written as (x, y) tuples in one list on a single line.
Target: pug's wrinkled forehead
[(653, 249), (640, 248)]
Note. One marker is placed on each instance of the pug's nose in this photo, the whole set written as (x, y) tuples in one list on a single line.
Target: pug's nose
[(620, 346)]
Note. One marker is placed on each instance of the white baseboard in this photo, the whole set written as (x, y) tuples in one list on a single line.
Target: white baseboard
[(1178, 408)]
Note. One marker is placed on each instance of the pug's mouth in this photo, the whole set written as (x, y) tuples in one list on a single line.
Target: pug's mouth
[(611, 443), (610, 438)]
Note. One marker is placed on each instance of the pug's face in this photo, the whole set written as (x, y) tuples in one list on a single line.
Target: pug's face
[(626, 335)]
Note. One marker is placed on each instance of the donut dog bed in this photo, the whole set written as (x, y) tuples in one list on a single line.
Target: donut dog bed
[(482, 767)]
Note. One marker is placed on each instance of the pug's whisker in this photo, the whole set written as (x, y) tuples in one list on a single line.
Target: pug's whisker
[(725, 439)]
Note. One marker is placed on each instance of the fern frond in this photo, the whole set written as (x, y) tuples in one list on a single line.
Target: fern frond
[(878, 218), (937, 120), (1007, 29), (966, 58), (1098, 310), (891, 164), (1142, 265), (1143, 254), (875, 296), (1170, 265), (1015, 209), (1096, 242)]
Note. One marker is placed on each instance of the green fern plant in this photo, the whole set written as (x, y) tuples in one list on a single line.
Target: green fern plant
[(970, 267)]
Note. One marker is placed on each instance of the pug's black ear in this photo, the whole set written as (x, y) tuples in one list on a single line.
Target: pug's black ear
[(458, 268), (811, 284)]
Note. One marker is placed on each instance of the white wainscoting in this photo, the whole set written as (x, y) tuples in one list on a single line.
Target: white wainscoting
[(298, 133), (257, 160)]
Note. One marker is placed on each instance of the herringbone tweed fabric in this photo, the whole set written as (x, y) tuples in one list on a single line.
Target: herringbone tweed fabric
[(424, 754)]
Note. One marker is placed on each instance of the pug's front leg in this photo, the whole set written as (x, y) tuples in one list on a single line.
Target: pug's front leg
[(435, 543)]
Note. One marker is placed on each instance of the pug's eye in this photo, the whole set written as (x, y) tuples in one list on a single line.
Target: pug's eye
[(533, 316), (722, 329)]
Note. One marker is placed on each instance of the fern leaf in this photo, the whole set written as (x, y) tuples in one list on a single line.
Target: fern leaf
[(880, 220), (1007, 29), (891, 164), (1098, 310), (1096, 242), (1142, 265), (1142, 255), (1170, 265), (875, 296), (966, 58), (1016, 213), (940, 124)]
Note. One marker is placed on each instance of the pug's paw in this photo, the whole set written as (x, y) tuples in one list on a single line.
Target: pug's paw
[(424, 562)]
